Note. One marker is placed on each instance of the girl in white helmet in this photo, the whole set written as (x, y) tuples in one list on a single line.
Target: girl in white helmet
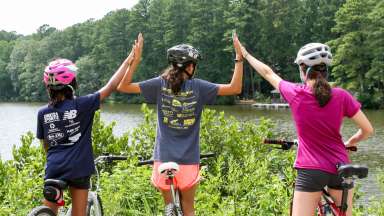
[(318, 111)]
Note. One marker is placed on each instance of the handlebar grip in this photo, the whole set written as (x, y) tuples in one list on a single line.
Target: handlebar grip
[(112, 157), (352, 148), (207, 155), (278, 142), (145, 162)]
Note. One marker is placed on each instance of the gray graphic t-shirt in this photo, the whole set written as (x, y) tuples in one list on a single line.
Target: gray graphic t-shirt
[(178, 124)]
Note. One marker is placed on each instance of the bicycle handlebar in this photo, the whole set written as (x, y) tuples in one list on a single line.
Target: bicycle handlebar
[(149, 162), (286, 145), (110, 158)]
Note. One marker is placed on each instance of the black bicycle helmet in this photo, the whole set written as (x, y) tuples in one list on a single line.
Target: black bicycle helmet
[(182, 54)]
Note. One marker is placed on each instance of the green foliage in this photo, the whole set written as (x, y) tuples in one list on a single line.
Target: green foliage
[(21, 179), (272, 30), (377, 208), (246, 177), (359, 55)]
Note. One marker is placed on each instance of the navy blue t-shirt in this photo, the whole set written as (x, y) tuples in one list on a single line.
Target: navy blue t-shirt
[(178, 123), (67, 128)]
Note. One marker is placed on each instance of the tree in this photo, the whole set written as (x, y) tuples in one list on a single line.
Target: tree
[(358, 50)]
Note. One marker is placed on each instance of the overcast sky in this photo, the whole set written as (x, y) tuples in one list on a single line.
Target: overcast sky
[(25, 16)]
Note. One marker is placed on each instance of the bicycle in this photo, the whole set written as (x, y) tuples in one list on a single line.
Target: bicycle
[(169, 169), (348, 172), (53, 190)]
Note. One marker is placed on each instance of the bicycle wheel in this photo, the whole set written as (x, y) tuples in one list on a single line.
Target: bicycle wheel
[(170, 210), (41, 211), (94, 207), (324, 210)]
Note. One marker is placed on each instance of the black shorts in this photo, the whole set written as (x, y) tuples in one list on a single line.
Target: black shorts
[(80, 183), (315, 180)]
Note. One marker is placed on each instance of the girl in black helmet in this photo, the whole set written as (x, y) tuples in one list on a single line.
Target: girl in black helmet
[(180, 99)]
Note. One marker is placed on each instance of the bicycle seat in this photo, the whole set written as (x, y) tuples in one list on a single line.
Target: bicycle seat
[(172, 166), (350, 170), (55, 183)]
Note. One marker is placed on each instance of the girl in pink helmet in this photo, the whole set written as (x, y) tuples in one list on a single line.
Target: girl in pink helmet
[(180, 99), (64, 126), (318, 111)]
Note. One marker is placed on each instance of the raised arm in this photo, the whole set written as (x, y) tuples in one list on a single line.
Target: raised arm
[(117, 77), (234, 87), (264, 70), (365, 129), (126, 84)]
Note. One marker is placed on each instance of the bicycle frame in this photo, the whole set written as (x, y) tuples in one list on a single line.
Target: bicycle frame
[(327, 205), (175, 193), (171, 180)]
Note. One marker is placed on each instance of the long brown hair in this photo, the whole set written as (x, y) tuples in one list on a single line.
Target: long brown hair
[(57, 95), (174, 76), (321, 89)]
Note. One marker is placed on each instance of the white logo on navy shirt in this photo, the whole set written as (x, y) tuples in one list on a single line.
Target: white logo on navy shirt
[(75, 138), (51, 117), (71, 114), (55, 136)]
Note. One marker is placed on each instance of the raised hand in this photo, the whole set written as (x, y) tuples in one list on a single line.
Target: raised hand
[(138, 48), (237, 46), (131, 55)]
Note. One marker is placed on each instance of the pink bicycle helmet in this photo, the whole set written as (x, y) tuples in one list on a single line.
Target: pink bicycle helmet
[(60, 72)]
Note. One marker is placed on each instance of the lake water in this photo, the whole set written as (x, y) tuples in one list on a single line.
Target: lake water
[(18, 118)]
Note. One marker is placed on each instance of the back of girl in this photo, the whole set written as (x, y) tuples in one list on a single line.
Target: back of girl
[(64, 126), (318, 112), (180, 99)]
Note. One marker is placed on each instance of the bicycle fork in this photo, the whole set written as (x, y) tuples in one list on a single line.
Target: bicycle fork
[(175, 194)]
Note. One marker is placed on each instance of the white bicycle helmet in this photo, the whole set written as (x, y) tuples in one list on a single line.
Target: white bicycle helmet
[(314, 54)]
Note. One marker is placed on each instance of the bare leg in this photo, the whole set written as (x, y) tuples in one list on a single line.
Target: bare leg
[(79, 201), (337, 195), (166, 196), (305, 203), (53, 206), (188, 201)]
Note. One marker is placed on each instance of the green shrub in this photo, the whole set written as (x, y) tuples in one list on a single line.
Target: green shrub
[(246, 177)]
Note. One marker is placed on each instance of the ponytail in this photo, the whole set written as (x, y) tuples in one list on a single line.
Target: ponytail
[(174, 76), (321, 88)]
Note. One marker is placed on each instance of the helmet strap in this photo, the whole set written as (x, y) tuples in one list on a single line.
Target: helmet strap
[(190, 76), (304, 77), (73, 89)]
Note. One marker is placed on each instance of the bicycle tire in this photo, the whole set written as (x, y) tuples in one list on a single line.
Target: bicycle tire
[(94, 207), (69, 212), (170, 210), (41, 211)]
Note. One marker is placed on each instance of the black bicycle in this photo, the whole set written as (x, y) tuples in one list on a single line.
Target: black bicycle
[(349, 173), (53, 191), (170, 169)]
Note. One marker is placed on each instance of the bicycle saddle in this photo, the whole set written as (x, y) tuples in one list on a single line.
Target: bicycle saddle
[(168, 166), (350, 170), (55, 183)]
